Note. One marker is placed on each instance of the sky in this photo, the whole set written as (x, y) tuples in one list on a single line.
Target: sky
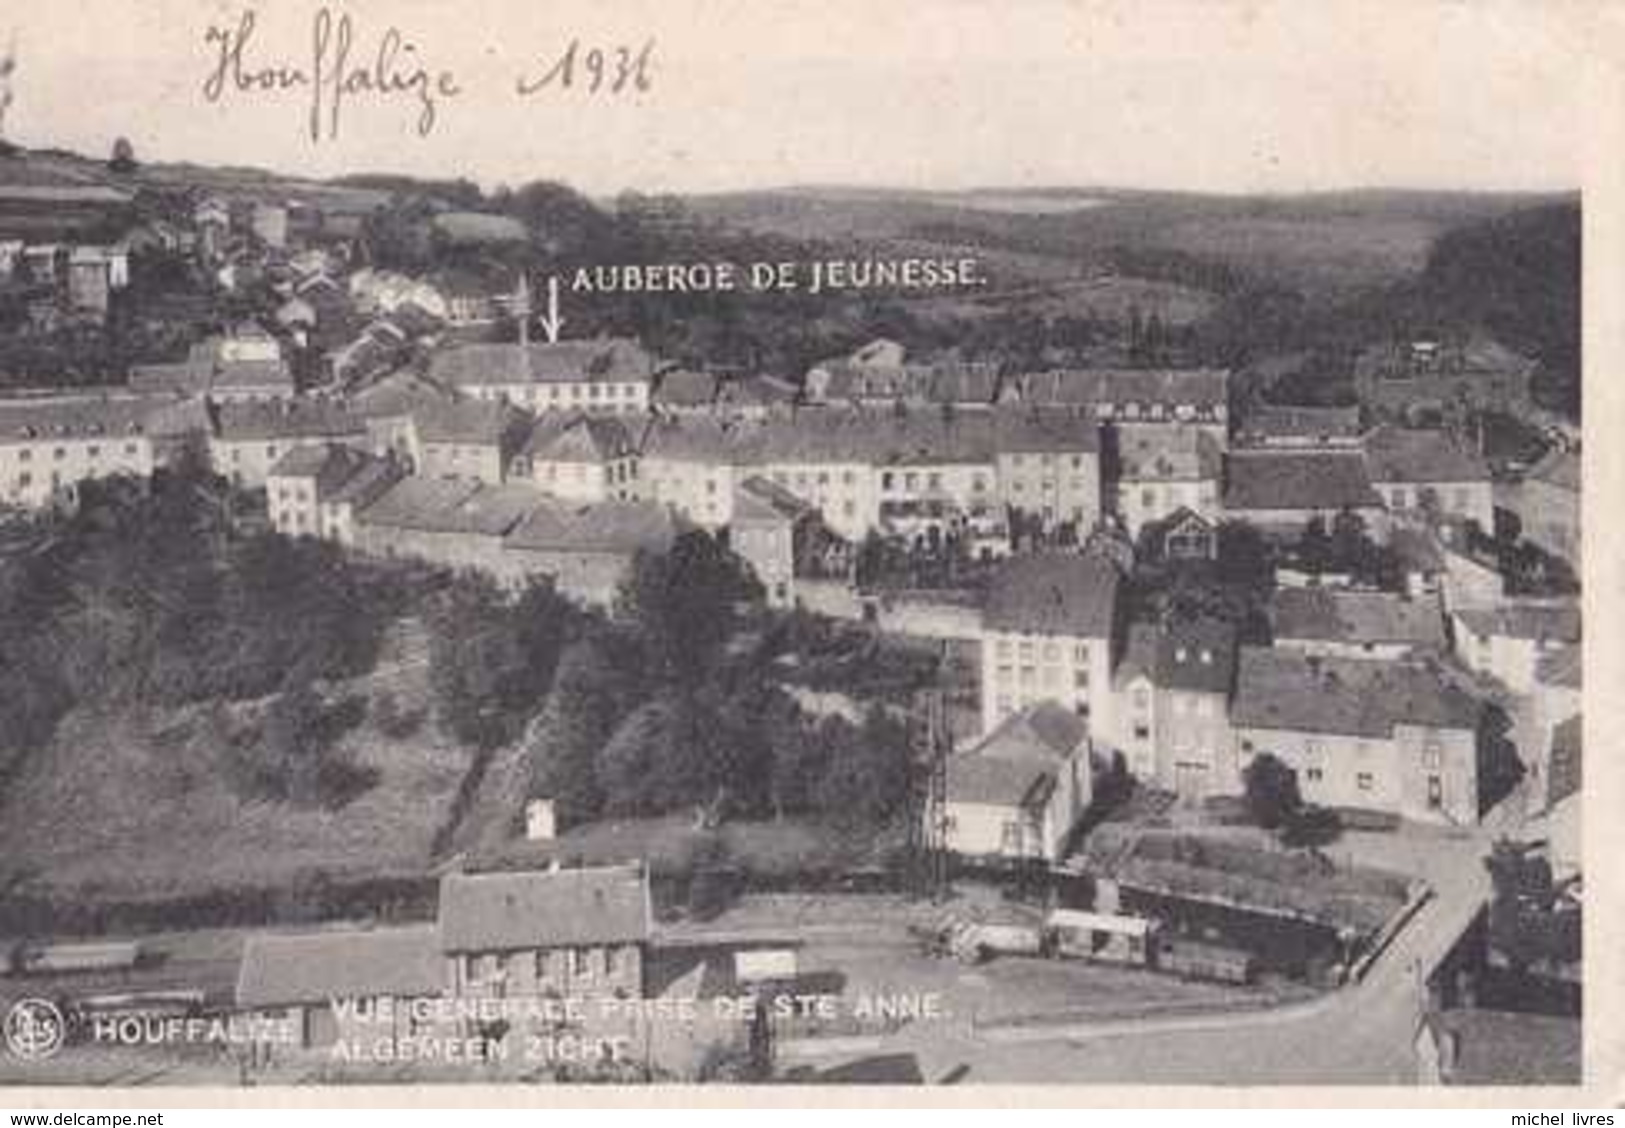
[(1204, 95)]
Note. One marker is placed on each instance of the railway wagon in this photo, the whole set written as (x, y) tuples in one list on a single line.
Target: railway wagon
[(1194, 959)]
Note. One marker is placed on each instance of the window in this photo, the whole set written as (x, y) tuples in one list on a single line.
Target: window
[(1080, 680), (59, 454), (887, 479), (1080, 654), (93, 451), (1363, 781), (1313, 775), (1435, 791), (1025, 651), (1142, 699), (24, 455), (24, 480), (1002, 648), (1142, 731)]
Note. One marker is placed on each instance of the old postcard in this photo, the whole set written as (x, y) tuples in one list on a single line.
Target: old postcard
[(945, 543)]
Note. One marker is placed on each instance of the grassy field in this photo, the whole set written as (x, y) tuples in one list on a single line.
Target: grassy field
[(131, 808), (1324, 242)]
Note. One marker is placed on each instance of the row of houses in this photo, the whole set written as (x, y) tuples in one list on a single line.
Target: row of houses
[(1369, 697)]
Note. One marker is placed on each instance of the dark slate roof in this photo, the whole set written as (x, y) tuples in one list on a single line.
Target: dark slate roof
[(1563, 776), (1162, 454), (248, 422), (1193, 656), (1289, 691), (481, 422), (1326, 615), (685, 388), (611, 527), (760, 391), (317, 967), (1396, 454), (1203, 387), (1539, 622), (184, 376), (1257, 480), (328, 463), (418, 503), (606, 360), (1053, 593), (78, 416), (395, 394), (493, 912)]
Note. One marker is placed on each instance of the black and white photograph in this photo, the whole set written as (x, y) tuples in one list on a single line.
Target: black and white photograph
[(720, 544)]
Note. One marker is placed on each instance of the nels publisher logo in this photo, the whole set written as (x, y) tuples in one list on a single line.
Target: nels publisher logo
[(34, 1029)]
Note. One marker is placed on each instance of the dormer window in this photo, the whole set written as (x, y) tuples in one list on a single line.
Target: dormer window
[(1180, 654), (1207, 657)]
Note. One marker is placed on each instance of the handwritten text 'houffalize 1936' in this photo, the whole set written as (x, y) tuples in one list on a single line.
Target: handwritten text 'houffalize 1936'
[(346, 62)]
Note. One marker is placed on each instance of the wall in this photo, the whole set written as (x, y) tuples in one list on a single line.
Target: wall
[(54, 466), (1019, 669)]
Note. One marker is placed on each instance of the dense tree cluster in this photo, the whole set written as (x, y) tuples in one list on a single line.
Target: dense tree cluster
[(151, 598)]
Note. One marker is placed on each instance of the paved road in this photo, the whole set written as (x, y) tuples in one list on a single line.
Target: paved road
[(1362, 1034)]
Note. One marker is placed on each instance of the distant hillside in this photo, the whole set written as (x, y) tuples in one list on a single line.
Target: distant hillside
[(1320, 244)]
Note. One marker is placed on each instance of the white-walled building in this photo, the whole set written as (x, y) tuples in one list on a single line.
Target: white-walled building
[(1047, 630)]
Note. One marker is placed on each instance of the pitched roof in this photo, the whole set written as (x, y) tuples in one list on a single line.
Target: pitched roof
[(762, 499), (1053, 593), (483, 364), (940, 383), (475, 422), (505, 911), (1044, 731), (1327, 615), (578, 438), (1295, 422), (32, 418), (396, 394), (1290, 691), (326, 462), (685, 388), (1195, 656), (1396, 454), (1162, 454), (608, 527), (249, 422), (1563, 775), (1268, 481), (1538, 622), (1015, 764), (417, 503), (1170, 387), (317, 967)]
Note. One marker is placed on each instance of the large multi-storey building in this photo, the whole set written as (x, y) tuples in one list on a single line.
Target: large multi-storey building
[(609, 376), (1047, 631), (1424, 472), (50, 446)]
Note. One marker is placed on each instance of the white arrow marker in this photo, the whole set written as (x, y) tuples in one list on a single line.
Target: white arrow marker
[(552, 323)]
